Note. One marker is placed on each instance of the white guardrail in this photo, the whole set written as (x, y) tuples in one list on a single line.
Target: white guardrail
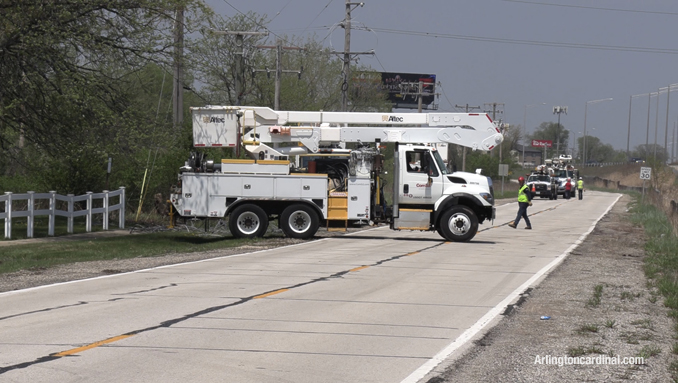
[(31, 197)]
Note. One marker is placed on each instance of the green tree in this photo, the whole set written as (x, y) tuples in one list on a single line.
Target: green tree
[(75, 75), (647, 152), (552, 131)]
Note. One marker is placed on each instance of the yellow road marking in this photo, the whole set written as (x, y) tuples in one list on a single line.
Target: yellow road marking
[(359, 268), (93, 345), (413, 253), (271, 293)]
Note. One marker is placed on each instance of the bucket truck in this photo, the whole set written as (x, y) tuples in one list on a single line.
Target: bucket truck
[(328, 182)]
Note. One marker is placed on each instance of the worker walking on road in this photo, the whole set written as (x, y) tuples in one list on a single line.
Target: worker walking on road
[(580, 187), (524, 200)]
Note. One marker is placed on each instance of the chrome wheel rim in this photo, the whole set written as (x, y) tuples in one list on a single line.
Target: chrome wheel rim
[(248, 223), (299, 221), (459, 224)]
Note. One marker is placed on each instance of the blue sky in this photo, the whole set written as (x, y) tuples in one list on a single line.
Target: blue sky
[(515, 52)]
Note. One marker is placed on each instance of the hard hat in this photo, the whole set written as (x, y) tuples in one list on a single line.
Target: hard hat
[(521, 179), (580, 178), (568, 178)]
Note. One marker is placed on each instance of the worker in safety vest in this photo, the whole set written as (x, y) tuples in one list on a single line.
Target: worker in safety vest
[(580, 187), (524, 200)]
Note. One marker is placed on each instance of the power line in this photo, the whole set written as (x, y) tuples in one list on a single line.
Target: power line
[(529, 42), (379, 61), (283, 8), (315, 18), (594, 8), (260, 25), (440, 85)]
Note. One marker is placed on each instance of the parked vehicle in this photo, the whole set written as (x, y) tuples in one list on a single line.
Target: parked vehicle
[(540, 184), (306, 179)]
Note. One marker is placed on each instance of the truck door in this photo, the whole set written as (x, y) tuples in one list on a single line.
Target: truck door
[(421, 180)]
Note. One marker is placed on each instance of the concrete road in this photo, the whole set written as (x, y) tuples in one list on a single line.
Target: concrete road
[(377, 306)]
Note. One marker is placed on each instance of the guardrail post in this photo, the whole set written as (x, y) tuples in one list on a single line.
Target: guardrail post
[(31, 218), (8, 217), (52, 213), (88, 224), (105, 209), (70, 214), (121, 216)]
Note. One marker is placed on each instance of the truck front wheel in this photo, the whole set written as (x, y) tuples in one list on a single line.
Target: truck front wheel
[(299, 221), (248, 221), (458, 224)]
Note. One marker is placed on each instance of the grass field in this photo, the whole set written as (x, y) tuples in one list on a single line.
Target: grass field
[(45, 254)]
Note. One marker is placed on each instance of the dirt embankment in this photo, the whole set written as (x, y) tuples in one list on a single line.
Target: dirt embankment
[(599, 305), (661, 190)]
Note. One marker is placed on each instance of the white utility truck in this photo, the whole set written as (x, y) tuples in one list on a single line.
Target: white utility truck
[(328, 182)]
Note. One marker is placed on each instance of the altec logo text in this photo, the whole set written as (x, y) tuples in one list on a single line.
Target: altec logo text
[(208, 119), (391, 119)]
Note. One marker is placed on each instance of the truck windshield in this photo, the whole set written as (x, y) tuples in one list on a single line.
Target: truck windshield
[(440, 162), (538, 178)]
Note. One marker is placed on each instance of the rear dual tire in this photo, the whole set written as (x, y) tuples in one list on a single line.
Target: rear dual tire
[(248, 221), (299, 221)]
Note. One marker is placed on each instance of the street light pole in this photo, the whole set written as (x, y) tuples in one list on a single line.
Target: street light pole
[(586, 109), (628, 135), (558, 110), (666, 132)]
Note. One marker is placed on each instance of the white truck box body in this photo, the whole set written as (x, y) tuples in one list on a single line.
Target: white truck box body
[(219, 187)]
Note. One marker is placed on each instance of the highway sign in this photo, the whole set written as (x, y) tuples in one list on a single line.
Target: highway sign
[(645, 173), (503, 169)]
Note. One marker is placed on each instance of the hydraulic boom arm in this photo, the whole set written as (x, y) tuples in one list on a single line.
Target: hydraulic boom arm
[(256, 126)]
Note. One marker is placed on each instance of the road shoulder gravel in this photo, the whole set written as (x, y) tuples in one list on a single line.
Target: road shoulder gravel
[(599, 305)]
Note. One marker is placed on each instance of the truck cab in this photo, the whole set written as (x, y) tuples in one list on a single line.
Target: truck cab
[(454, 203)]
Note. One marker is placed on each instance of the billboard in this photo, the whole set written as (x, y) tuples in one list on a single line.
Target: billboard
[(402, 89), (542, 143)]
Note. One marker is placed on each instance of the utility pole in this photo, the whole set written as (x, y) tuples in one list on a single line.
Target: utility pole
[(494, 111), (240, 62), (628, 134), (278, 68), (558, 110), (666, 132), (463, 148), (178, 89), (673, 147), (346, 66)]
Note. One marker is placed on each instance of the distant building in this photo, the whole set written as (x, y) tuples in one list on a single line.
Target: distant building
[(533, 156)]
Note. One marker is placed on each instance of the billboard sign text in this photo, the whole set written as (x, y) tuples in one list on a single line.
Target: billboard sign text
[(542, 143)]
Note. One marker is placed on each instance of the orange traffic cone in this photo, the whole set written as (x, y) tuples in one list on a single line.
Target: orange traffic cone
[(533, 188)]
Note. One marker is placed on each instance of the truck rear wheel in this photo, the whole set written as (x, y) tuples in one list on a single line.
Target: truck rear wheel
[(248, 221), (458, 224), (299, 221)]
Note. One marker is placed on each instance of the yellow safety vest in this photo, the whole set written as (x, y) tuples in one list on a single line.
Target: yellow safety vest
[(580, 184), (522, 197)]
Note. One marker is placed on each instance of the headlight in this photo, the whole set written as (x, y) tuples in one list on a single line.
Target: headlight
[(487, 197)]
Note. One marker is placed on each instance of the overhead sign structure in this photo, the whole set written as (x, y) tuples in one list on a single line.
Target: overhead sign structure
[(542, 143), (645, 173), (402, 89)]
